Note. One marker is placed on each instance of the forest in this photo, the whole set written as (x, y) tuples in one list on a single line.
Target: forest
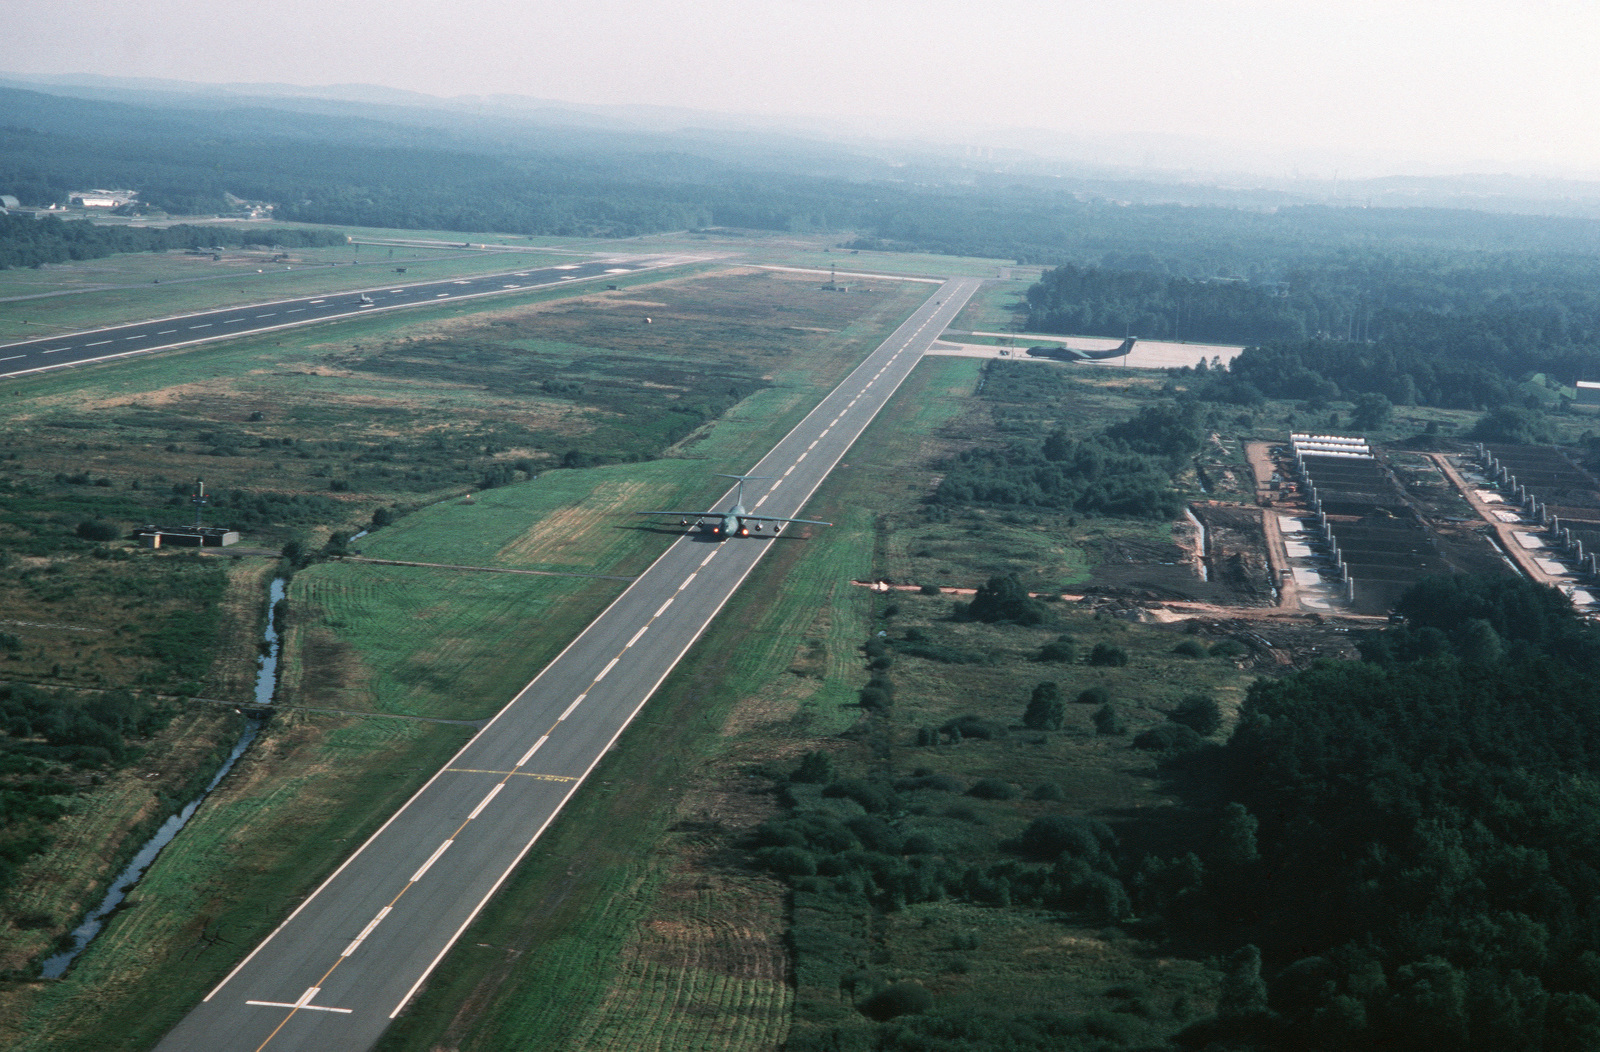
[(427, 171), (1412, 839), (29, 242)]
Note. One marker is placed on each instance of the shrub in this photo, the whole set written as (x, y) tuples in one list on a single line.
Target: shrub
[(1229, 648), (96, 530), (1108, 655), (1200, 713), (970, 726), (788, 861), (929, 589), (896, 999), (992, 789), (1190, 648), (1107, 721), (1053, 835), (876, 835), (816, 768), (1094, 696), (1048, 791), (937, 783), (1167, 737), (1004, 599), (1046, 708), (870, 797), (1062, 651)]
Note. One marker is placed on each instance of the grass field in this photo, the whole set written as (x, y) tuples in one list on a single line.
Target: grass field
[(413, 640)]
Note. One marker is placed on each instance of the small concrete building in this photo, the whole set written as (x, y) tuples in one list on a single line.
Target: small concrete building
[(186, 536)]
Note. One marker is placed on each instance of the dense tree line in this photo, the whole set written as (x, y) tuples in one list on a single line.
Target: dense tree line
[(29, 242), (1125, 470), (420, 169), (1414, 839)]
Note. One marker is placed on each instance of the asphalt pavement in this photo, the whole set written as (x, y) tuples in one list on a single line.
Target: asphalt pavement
[(120, 341), (355, 952)]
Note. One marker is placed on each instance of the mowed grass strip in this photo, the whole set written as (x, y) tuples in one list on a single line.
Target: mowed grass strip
[(427, 642)]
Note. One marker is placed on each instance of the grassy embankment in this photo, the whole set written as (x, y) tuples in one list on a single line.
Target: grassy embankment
[(318, 782)]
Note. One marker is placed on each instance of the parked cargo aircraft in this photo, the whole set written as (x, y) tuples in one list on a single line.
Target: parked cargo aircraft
[(736, 521), (1067, 354)]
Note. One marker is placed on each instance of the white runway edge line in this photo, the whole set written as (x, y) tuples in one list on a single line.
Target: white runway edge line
[(577, 783), (572, 787)]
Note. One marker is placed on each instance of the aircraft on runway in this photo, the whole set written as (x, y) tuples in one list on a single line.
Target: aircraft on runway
[(736, 521), (1067, 354)]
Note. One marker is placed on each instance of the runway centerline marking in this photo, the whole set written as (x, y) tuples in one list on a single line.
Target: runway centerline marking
[(163, 332), (636, 636), (575, 703), (529, 754), (431, 860), (98, 343), (476, 811)]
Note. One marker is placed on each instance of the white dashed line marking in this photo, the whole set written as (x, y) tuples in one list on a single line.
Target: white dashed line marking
[(139, 337), (431, 860), (529, 754), (636, 636), (203, 325), (98, 343), (476, 811), (708, 558), (575, 703), (163, 332), (664, 607), (274, 314), (809, 448), (373, 923), (685, 583), (14, 357), (609, 666)]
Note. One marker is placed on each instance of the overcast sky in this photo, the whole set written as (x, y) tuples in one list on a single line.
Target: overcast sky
[(1468, 85)]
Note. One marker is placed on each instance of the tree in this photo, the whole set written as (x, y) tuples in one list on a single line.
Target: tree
[(1200, 713), (1243, 993), (1236, 837), (1371, 411), (1046, 708), (1005, 599), (1108, 655), (1062, 651), (1108, 722), (815, 768)]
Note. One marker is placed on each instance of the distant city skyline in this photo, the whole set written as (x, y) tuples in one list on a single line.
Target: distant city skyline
[(1358, 87)]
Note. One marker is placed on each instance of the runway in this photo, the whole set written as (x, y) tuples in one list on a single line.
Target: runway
[(120, 341), (352, 956)]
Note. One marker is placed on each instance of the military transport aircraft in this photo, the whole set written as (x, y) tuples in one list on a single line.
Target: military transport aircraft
[(736, 521), (1068, 354)]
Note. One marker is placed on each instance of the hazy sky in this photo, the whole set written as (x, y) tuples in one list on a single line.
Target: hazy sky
[(1481, 85)]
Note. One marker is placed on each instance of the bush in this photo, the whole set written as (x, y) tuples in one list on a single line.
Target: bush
[(788, 861), (1004, 599), (992, 789), (1167, 737), (96, 530), (1048, 791), (1229, 648), (816, 768), (1107, 721), (1046, 708), (1094, 696), (1053, 835), (870, 797), (1062, 650), (1200, 713), (1190, 648), (970, 726), (897, 999), (935, 783), (1108, 655), (929, 589)]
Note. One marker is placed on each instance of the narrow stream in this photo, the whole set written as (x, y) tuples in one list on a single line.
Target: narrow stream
[(266, 682)]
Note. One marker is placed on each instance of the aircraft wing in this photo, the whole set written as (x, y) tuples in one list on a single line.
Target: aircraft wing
[(684, 514), (774, 518)]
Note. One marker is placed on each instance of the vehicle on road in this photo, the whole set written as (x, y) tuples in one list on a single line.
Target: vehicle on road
[(736, 521)]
